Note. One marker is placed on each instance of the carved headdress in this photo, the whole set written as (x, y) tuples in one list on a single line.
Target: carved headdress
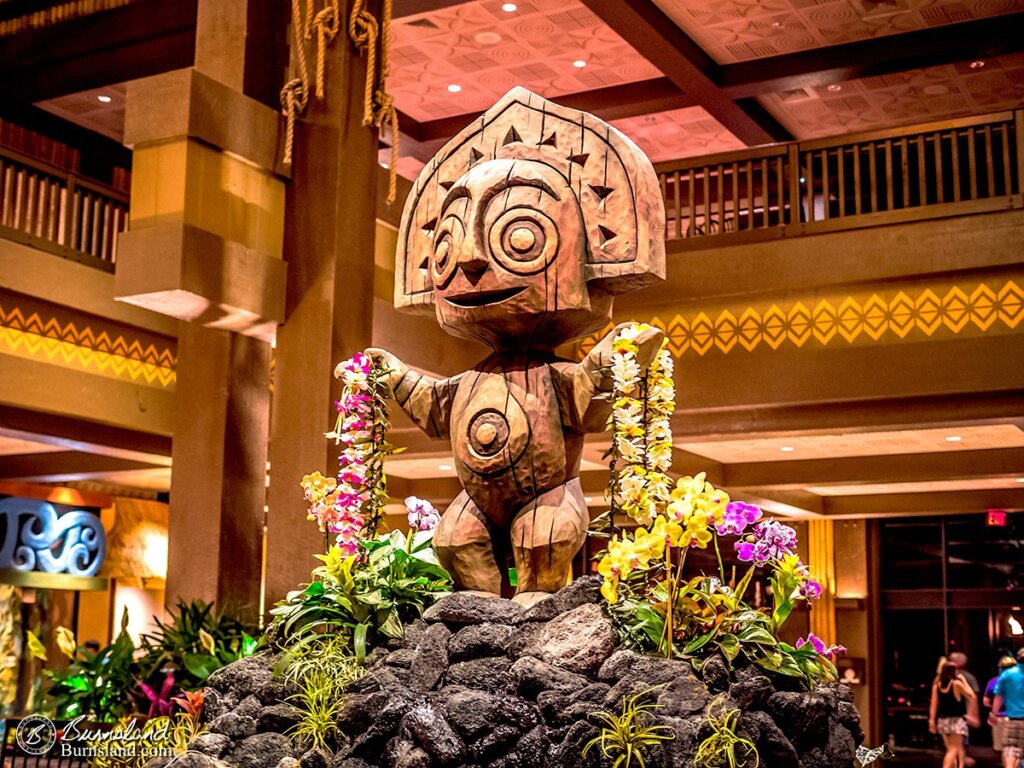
[(615, 185)]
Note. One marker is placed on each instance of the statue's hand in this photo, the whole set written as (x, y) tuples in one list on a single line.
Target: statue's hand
[(648, 345), (382, 357)]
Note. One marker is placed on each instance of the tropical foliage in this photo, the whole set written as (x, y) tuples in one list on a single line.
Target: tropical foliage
[(724, 748), (643, 571), (624, 736)]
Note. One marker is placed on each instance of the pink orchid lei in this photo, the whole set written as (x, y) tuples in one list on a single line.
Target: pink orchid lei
[(350, 506)]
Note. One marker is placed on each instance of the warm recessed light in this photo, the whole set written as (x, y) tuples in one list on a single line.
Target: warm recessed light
[(1020, 479), (487, 38), (803, 180), (588, 499), (777, 25), (509, 7), (444, 467), (385, 166), (977, 64), (787, 448), (953, 439), (579, 63), (104, 99), (835, 88), (454, 88)]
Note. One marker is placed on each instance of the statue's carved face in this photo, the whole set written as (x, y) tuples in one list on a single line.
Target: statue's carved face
[(508, 258)]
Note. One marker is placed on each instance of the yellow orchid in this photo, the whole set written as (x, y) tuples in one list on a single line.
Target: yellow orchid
[(697, 532), (667, 531)]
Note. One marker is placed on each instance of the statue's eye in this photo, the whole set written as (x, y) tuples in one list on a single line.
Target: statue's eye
[(443, 251), (524, 240), (446, 242)]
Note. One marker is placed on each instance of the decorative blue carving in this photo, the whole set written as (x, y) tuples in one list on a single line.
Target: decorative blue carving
[(38, 538)]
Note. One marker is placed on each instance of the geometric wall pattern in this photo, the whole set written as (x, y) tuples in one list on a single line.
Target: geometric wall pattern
[(875, 317), (73, 342)]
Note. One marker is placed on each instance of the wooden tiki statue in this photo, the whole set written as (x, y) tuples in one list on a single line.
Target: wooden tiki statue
[(519, 233)]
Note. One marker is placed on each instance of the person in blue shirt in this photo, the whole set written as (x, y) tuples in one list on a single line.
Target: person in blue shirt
[(1008, 711)]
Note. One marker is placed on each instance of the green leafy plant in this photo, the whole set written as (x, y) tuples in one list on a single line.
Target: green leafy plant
[(96, 684), (724, 748), (317, 704), (364, 597), (195, 642), (321, 667), (625, 736)]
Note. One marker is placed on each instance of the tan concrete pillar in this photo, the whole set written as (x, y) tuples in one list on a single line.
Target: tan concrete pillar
[(329, 248), (205, 246)]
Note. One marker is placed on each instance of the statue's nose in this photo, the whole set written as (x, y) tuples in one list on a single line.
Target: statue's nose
[(472, 262)]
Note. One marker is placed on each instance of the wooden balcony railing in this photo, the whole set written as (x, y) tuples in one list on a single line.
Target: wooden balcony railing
[(952, 168), (56, 211)]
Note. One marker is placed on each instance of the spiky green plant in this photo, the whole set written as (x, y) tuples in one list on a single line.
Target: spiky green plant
[(321, 668), (724, 748), (624, 736)]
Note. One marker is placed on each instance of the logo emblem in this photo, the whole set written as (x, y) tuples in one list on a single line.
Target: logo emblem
[(36, 735)]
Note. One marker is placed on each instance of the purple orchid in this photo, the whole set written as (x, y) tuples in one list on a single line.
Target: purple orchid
[(828, 651), (737, 517), (811, 589), (771, 541)]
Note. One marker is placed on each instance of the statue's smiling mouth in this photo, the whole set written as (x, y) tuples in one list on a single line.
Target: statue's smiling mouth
[(484, 298)]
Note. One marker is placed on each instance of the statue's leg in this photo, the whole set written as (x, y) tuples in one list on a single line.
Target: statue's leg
[(546, 535), (463, 545)]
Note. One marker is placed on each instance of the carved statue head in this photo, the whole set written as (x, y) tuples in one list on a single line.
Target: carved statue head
[(527, 223)]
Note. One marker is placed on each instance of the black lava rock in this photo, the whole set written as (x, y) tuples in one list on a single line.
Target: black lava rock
[(464, 608)]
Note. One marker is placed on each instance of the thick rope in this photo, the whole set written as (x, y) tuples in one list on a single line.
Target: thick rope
[(327, 24), (295, 94), (363, 31)]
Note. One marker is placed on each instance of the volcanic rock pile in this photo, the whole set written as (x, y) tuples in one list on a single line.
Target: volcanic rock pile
[(483, 683)]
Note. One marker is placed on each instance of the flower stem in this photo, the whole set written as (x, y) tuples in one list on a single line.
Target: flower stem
[(718, 554)]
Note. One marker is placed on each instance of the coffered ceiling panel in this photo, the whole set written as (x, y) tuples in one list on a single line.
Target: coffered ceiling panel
[(739, 30), (915, 96), (482, 51), (678, 133)]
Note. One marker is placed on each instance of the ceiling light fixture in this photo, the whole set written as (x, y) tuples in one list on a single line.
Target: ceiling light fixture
[(445, 467), (454, 88), (588, 499), (104, 99), (953, 439), (787, 448), (977, 64), (509, 7), (1020, 479), (803, 180), (835, 88), (579, 63)]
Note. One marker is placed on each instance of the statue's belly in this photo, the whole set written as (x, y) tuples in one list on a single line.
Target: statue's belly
[(507, 438)]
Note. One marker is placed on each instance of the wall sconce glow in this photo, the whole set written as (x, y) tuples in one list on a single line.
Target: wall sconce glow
[(39, 538), (444, 467), (787, 448), (954, 439), (1015, 627), (154, 554)]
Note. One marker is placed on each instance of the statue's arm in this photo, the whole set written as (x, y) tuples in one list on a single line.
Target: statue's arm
[(586, 387), (425, 399)]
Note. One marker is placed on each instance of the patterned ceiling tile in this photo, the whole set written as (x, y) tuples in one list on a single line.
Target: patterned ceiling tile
[(915, 96), (678, 133), (486, 51), (739, 30)]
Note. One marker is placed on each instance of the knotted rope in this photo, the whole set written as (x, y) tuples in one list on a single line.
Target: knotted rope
[(327, 24), (295, 94), (363, 31)]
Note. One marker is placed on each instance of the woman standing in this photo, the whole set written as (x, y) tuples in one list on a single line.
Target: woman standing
[(953, 706)]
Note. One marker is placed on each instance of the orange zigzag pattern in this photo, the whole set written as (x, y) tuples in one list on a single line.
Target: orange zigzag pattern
[(132, 349), (846, 319)]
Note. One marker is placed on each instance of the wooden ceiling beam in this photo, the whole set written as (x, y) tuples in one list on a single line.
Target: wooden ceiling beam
[(818, 67), (61, 466), (616, 102), (78, 435), (143, 38), (659, 40), (874, 470), (928, 503)]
